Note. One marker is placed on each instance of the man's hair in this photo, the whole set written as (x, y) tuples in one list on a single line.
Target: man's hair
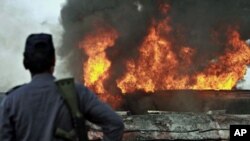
[(39, 53)]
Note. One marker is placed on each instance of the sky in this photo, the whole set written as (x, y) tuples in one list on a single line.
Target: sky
[(19, 18)]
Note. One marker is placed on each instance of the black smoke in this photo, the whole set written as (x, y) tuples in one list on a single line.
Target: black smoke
[(194, 23), (204, 25), (78, 17)]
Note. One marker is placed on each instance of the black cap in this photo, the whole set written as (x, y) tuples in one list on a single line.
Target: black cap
[(35, 39), (39, 53)]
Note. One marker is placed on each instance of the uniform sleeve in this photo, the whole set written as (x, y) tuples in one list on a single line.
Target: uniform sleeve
[(6, 126), (101, 114)]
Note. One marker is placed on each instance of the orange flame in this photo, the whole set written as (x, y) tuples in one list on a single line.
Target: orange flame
[(160, 66), (97, 65), (229, 68)]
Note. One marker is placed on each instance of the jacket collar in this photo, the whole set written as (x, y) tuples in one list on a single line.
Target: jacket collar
[(43, 77)]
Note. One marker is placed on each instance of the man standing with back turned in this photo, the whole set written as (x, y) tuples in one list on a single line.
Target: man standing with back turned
[(32, 112)]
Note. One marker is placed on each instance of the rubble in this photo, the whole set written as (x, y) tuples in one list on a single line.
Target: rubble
[(179, 126)]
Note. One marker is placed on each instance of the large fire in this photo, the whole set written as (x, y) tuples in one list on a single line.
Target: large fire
[(159, 69), (159, 66), (97, 65)]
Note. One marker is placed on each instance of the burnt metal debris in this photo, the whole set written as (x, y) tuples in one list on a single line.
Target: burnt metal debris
[(201, 101), (179, 126)]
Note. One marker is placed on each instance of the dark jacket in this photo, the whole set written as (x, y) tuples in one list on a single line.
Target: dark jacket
[(33, 112)]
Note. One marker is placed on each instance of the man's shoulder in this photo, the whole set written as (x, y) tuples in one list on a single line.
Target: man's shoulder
[(80, 87), (84, 92), (12, 93), (16, 89)]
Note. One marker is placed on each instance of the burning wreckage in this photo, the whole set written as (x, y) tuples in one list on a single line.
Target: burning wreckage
[(172, 65)]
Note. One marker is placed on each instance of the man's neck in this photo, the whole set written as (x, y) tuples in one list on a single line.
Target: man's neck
[(48, 72)]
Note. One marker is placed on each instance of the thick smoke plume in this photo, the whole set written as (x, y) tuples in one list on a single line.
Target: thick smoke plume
[(204, 24), (195, 23), (79, 16)]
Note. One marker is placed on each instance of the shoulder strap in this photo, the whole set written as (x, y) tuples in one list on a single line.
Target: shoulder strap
[(68, 92)]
